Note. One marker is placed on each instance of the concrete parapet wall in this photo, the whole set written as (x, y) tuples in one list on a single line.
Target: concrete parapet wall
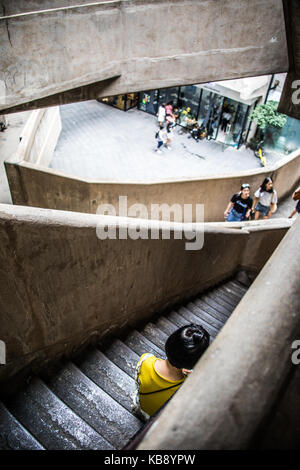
[(236, 383), (36, 186), (69, 287), (39, 137)]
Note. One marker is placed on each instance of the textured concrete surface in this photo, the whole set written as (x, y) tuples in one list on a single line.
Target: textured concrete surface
[(71, 287), (99, 141), (9, 141), (49, 52)]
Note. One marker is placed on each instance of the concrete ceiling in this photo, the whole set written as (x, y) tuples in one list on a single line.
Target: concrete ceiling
[(52, 52)]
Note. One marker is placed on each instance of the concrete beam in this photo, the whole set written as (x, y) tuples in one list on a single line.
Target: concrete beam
[(290, 98), (149, 44)]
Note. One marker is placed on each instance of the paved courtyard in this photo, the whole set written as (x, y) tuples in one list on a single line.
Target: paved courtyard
[(102, 142)]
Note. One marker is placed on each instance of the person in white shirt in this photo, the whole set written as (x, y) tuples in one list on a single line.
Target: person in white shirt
[(265, 200), (161, 115), (161, 136)]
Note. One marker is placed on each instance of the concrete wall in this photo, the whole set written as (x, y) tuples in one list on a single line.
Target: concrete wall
[(40, 187), (61, 286), (46, 53), (244, 372), (39, 137)]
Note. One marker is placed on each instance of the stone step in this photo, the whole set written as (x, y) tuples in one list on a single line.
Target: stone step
[(13, 436), (114, 381), (192, 318), (231, 301), (140, 344), (110, 419), (123, 356), (155, 335), (166, 326), (210, 319), (52, 422)]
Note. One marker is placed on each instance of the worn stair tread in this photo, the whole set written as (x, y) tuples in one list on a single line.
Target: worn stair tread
[(52, 422), (166, 326), (214, 304), (231, 301), (123, 356), (13, 436), (218, 323), (140, 344), (207, 308), (231, 293), (238, 288), (155, 335), (177, 319), (110, 419), (222, 306), (108, 376), (192, 318), (219, 300)]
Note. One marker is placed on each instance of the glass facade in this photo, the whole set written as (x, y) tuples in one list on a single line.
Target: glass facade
[(286, 139), (123, 102), (202, 107)]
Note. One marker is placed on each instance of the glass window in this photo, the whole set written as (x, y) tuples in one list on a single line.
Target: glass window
[(210, 112), (167, 95), (148, 101), (188, 104)]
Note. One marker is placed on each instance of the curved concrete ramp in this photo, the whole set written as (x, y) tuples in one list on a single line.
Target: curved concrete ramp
[(125, 46)]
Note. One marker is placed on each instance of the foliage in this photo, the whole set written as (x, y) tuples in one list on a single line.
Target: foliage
[(267, 115)]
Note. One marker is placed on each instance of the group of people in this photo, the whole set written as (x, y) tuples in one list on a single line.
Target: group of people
[(243, 207), (167, 117)]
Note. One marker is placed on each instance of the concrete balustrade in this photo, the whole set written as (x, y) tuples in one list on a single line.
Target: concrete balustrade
[(33, 184), (62, 287), (247, 372)]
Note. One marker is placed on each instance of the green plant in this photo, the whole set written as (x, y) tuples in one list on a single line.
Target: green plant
[(266, 115)]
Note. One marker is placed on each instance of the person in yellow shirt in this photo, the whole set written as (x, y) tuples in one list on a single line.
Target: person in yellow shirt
[(158, 379)]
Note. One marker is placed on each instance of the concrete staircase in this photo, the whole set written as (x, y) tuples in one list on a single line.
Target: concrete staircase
[(86, 404)]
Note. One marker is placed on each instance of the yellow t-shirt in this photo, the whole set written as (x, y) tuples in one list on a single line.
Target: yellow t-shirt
[(151, 381)]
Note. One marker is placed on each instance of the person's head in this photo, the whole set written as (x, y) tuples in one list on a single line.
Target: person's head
[(163, 105), (267, 185), (186, 345), (161, 126), (245, 190)]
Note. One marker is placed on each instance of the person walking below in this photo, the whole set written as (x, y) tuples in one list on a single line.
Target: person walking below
[(240, 205), (296, 197), (265, 200), (161, 115), (170, 135), (161, 137)]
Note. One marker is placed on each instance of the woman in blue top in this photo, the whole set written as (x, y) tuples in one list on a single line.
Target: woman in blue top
[(240, 205)]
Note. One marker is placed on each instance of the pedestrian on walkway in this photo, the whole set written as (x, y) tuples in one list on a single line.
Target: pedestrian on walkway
[(240, 205), (161, 136), (265, 200), (161, 115), (170, 135), (296, 197)]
